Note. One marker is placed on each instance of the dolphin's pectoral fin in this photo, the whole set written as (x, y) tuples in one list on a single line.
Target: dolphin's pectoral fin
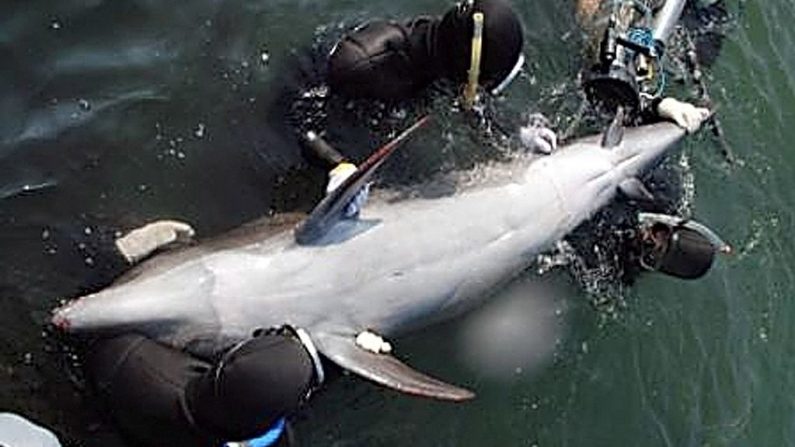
[(385, 369), (332, 208), (614, 133), (634, 189)]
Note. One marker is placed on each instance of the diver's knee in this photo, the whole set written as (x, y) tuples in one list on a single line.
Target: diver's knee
[(257, 383)]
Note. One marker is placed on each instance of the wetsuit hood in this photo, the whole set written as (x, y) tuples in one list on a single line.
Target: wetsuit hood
[(502, 41), (679, 252)]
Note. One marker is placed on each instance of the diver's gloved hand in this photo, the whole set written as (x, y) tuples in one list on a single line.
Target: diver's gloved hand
[(141, 242), (537, 136), (684, 114), (336, 177)]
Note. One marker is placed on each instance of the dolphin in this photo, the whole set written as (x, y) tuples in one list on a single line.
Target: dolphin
[(397, 267)]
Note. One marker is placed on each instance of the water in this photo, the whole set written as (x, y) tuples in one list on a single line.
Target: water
[(118, 113)]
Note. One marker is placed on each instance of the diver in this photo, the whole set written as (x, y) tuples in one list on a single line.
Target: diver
[(157, 395), (475, 46)]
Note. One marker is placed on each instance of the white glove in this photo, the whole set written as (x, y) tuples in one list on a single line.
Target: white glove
[(336, 177), (370, 341), (684, 114), (536, 136), (141, 242)]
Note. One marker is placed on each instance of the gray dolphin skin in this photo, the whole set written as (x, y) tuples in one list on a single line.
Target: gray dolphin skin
[(398, 267)]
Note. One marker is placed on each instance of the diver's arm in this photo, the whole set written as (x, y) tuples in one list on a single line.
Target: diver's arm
[(143, 241), (684, 114)]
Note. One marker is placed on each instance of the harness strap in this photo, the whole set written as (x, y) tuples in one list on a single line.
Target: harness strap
[(309, 345), (474, 67)]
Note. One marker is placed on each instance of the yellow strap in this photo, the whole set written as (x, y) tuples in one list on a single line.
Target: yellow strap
[(342, 168), (651, 73), (471, 90)]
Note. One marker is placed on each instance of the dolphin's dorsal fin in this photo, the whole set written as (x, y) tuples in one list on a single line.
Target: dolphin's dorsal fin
[(635, 190), (330, 210), (386, 370), (615, 131)]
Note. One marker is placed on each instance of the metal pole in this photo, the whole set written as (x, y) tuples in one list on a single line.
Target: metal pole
[(665, 21)]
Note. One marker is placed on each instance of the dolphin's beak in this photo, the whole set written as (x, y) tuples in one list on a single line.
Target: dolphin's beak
[(59, 318)]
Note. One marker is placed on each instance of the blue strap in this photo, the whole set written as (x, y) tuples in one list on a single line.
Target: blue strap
[(642, 37), (267, 439)]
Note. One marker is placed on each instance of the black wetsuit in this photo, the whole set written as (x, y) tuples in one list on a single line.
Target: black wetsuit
[(142, 384), (391, 60), (161, 396)]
